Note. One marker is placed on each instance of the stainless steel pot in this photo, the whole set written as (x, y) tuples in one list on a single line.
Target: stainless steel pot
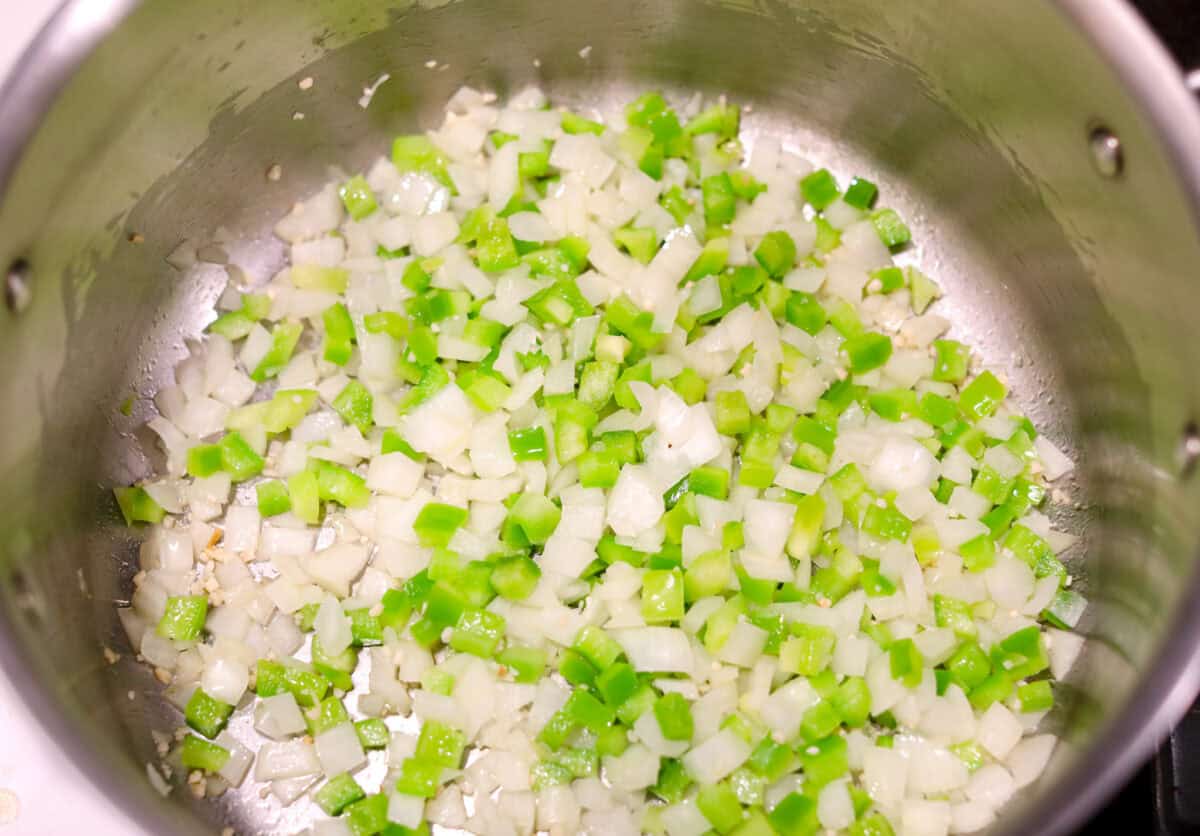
[(1047, 151)]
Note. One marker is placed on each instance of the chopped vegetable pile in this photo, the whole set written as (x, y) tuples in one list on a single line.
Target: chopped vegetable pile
[(588, 476)]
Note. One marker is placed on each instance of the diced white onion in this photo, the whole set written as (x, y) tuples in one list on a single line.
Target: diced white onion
[(716, 757), (370, 549), (1055, 463), (278, 717), (339, 750), (656, 649)]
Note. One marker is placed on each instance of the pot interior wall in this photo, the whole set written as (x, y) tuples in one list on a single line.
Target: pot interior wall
[(975, 119)]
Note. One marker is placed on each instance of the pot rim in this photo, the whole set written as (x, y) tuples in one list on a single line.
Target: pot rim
[(1151, 78), (1156, 84)]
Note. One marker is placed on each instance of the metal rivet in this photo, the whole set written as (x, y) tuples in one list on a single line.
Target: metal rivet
[(1189, 449), (25, 596), (17, 294), (1107, 156)]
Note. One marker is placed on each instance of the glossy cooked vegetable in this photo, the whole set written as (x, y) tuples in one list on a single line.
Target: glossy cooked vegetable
[(614, 481)]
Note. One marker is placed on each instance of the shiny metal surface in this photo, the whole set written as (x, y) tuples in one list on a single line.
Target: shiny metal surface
[(1107, 155), (17, 294), (976, 117)]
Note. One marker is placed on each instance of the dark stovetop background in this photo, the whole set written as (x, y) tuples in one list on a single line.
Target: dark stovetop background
[(1164, 797), (1178, 24), (1134, 808)]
